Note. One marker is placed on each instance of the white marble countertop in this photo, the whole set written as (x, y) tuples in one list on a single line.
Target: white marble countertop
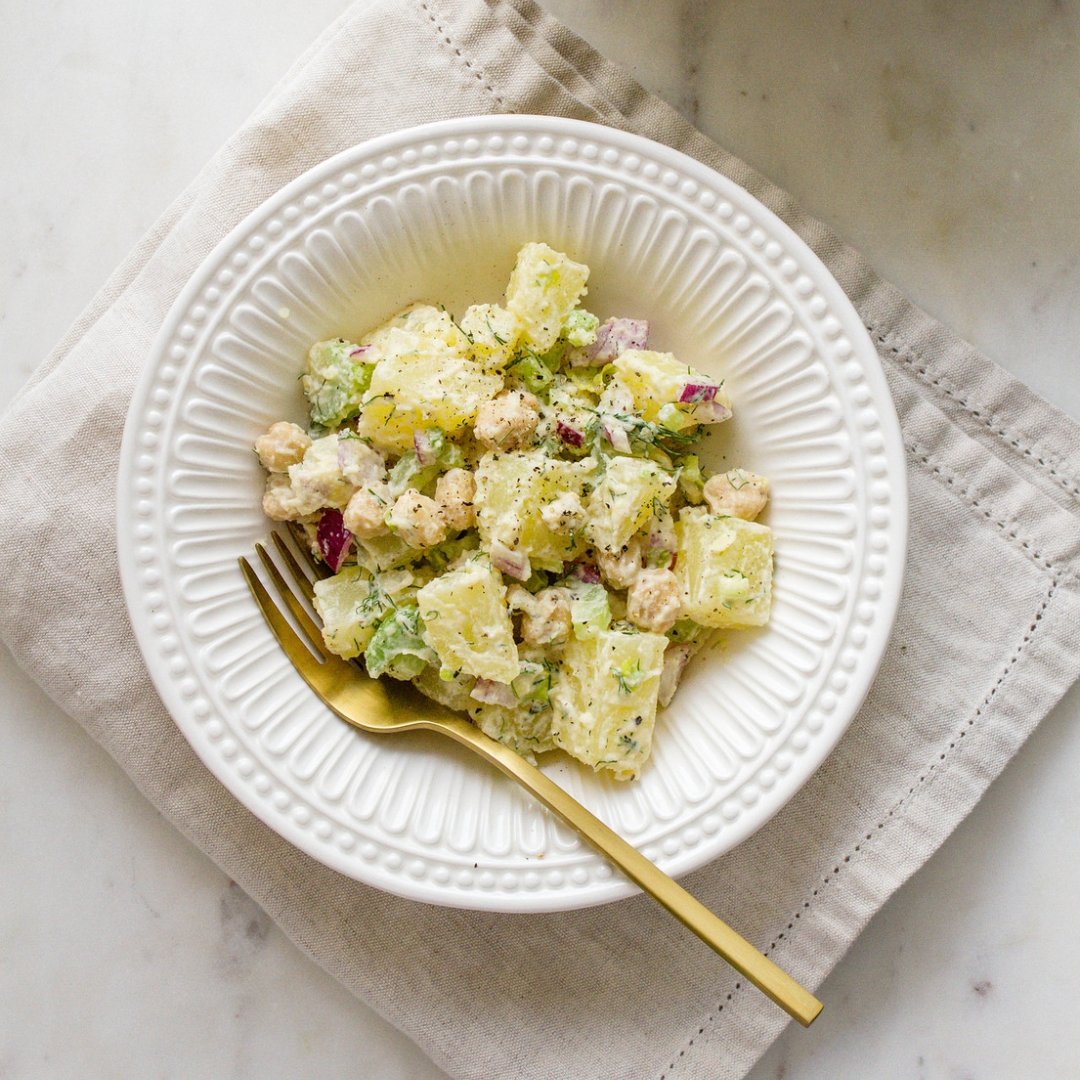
[(943, 141)]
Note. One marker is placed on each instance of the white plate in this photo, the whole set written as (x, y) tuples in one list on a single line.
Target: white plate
[(438, 213)]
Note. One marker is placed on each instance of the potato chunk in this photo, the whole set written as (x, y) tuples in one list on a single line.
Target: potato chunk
[(724, 569), (544, 288), (512, 491), (630, 492), (605, 700), (431, 385), (350, 605), (664, 389), (494, 333), (468, 624)]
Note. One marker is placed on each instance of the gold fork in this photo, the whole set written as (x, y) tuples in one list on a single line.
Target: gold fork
[(378, 706)]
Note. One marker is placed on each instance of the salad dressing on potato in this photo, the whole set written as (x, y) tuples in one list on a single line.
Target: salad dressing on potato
[(514, 515)]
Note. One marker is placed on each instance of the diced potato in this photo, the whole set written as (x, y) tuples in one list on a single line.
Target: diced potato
[(605, 700), (544, 288), (316, 481), (724, 569), (385, 552), (494, 332), (526, 733), (437, 388), (399, 334), (454, 692), (630, 492), (349, 604), (511, 492), (656, 379), (468, 624)]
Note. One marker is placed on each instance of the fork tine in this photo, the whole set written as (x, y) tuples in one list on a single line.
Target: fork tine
[(289, 559), (293, 647), (307, 624)]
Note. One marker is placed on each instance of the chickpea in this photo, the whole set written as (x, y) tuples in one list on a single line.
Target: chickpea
[(737, 493), (653, 601), (281, 445), (365, 512), (455, 491), (620, 568), (507, 422), (417, 520)]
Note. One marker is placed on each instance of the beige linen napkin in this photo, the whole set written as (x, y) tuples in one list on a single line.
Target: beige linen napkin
[(987, 639)]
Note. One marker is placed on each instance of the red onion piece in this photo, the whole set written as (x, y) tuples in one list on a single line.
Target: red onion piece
[(493, 693), (359, 350), (693, 393), (616, 435), (586, 573), (710, 412), (511, 563), (333, 538), (612, 337), (622, 334), (425, 452), (569, 435)]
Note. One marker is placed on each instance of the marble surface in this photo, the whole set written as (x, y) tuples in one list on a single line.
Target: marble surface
[(941, 140)]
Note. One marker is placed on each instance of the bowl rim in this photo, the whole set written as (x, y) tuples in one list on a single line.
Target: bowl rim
[(865, 352)]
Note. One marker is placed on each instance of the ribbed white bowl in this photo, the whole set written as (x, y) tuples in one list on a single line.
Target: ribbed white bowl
[(437, 213)]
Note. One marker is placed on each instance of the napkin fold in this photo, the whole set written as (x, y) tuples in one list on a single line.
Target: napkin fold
[(987, 638)]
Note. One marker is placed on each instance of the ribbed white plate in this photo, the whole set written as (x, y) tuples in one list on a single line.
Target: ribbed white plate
[(437, 213)]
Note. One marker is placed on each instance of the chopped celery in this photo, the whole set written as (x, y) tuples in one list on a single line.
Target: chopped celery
[(590, 610), (691, 482), (440, 556), (580, 328), (532, 372), (397, 647), (336, 381), (409, 473), (439, 453), (685, 630), (533, 685)]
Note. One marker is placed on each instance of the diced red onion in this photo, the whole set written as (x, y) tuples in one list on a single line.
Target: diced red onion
[(612, 337), (676, 658), (493, 693), (425, 452), (359, 350), (622, 334), (710, 412), (586, 573), (616, 435), (512, 563), (333, 538), (693, 393), (569, 435)]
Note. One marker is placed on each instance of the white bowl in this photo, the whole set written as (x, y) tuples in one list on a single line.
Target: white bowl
[(438, 213)]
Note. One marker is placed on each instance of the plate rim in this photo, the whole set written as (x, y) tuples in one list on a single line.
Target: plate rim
[(616, 887)]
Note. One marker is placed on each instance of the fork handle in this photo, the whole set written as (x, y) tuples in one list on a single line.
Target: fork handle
[(770, 979)]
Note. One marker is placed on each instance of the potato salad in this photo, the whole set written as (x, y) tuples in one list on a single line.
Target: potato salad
[(514, 517)]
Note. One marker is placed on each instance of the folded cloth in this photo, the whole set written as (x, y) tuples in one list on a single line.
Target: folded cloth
[(987, 639)]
